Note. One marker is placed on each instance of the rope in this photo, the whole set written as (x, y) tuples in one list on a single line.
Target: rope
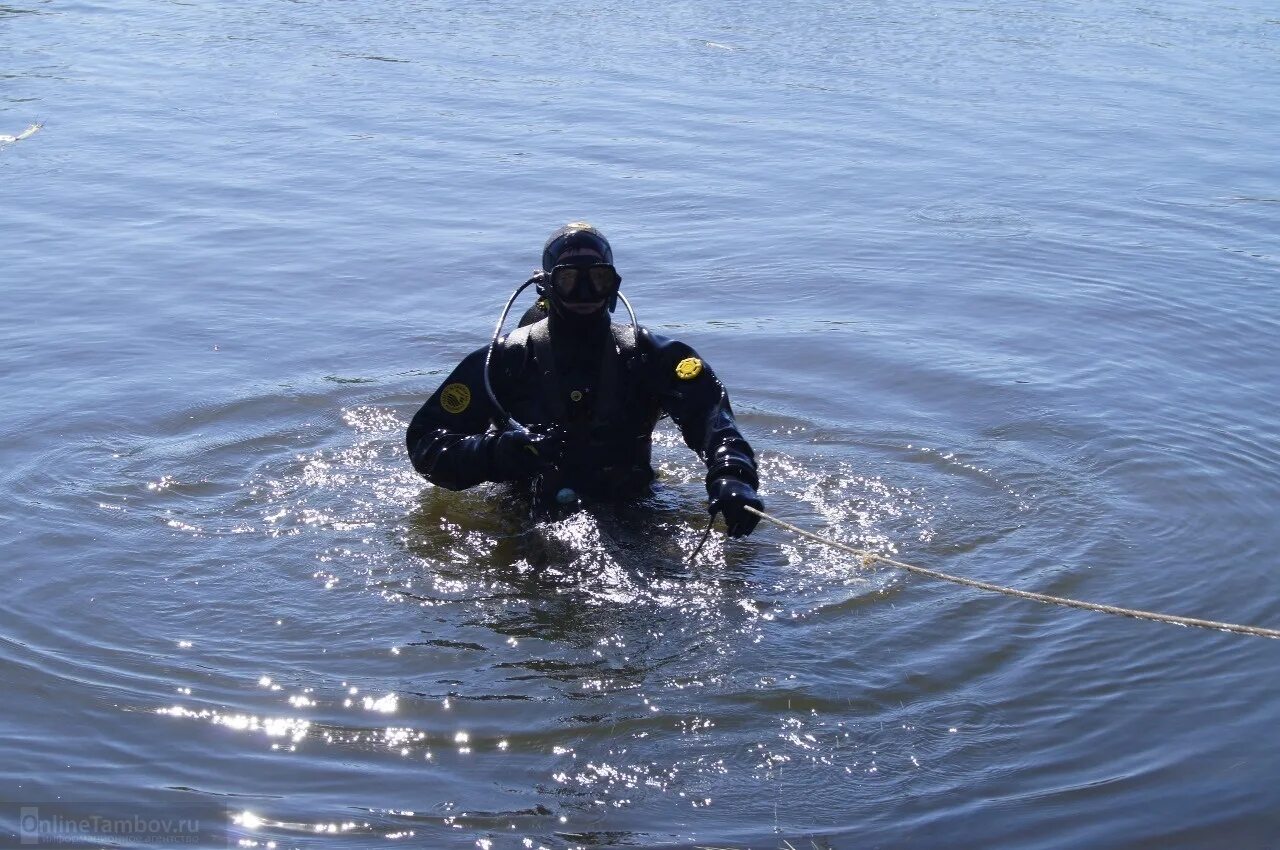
[(701, 542), (869, 558)]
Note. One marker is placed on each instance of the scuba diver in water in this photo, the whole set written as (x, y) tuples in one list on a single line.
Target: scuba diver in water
[(592, 392)]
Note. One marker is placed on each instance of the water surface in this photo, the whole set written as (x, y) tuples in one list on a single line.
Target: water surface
[(993, 287)]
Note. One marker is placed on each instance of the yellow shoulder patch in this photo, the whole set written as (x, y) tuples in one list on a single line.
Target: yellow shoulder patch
[(455, 398), (688, 368)]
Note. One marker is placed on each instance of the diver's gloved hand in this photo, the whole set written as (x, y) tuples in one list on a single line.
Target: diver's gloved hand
[(730, 496), (524, 454)]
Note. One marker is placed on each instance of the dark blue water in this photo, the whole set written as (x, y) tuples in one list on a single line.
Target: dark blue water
[(993, 287)]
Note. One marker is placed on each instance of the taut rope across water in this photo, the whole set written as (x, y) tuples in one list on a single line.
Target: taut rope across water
[(869, 558)]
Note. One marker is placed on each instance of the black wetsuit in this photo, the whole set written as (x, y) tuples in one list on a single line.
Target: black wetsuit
[(604, 388)]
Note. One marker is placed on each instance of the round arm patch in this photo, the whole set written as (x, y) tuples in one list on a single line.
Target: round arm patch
[(688, 368), (455, 398)]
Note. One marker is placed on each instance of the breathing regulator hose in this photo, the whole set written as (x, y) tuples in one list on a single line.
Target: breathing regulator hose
[(507, 418)]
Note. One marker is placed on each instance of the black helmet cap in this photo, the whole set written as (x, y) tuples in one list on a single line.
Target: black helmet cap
[(572, 236)]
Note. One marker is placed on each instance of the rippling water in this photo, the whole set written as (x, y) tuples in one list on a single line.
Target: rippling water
[(993, 286)]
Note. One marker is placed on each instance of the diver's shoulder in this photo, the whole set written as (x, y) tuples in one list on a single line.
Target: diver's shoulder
[(650, 342), (519, 338), (474, 358), (514, 349)]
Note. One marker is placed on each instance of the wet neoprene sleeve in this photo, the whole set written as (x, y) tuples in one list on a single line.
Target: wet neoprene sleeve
[(447, 438), (697, 402)]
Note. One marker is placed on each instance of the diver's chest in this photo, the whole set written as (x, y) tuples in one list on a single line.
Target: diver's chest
[(579, 397)]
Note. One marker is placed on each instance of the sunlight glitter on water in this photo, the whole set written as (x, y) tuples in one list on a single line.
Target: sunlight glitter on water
[(991, 288)]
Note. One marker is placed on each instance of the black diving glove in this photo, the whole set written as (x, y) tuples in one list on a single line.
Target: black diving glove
[(731, 496), (524, 454)]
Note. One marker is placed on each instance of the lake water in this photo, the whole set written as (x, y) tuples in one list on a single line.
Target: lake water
[(993, 286)]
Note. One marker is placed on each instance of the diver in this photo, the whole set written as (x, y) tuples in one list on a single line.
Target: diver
[(591, 390)]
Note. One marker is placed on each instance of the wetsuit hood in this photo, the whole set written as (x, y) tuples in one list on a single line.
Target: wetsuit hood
[(577, 235)]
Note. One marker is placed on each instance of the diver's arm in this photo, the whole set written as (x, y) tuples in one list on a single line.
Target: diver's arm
[(691, 393), (699, 405), (447, 438)]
